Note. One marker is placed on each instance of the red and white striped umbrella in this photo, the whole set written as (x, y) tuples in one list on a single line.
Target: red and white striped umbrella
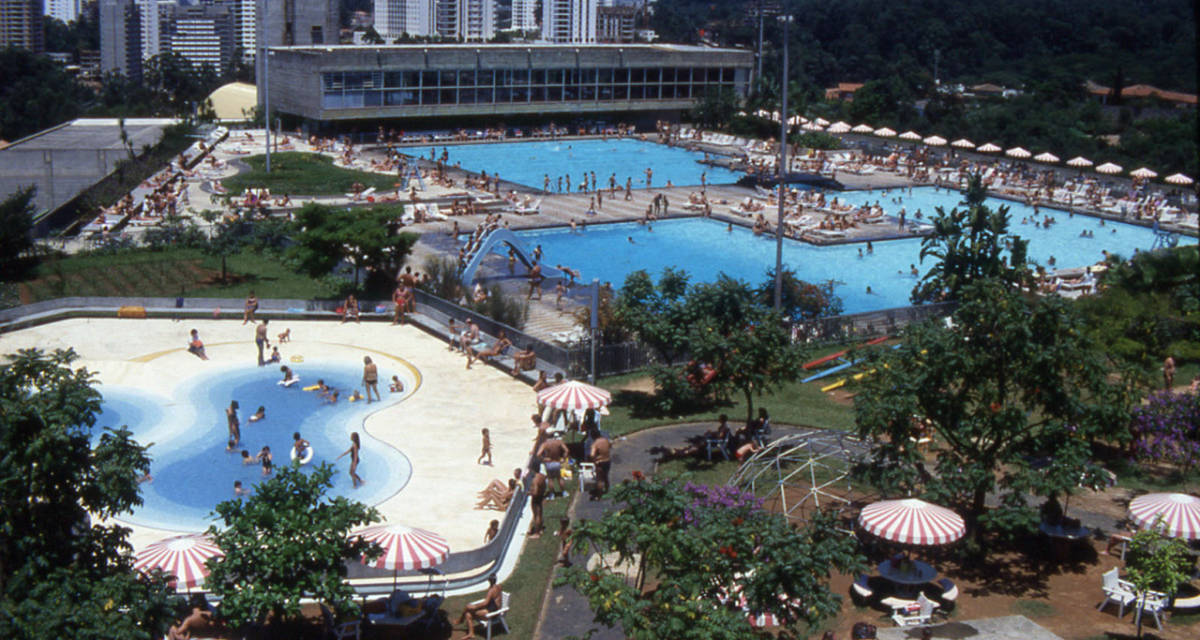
[(405, 547), (180, 556), (574, 395), (912, 521), (1180, 513)]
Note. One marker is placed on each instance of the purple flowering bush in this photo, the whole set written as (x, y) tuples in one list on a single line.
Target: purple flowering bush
[(1167, 429)]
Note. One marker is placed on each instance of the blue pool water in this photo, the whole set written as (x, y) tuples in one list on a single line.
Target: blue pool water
[(192, 471), (706, 249), (528, 163)]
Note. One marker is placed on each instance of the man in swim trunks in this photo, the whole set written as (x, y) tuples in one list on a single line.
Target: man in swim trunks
[(601, 454), (553, 453), (264, 458), (535, 282), (537, 496), (260, 339), (370, 378), (299, 444), (231, 419)]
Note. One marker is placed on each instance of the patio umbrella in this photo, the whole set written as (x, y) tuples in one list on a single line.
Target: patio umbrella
[(810, 126), (839, 127), (885, 132), (762, 113), (1046, 157), (1144, 173), (573, 396), (1178, 178), (963, 143), (1109, 168), (1180, 513), (910, 135), (796, 120), (823, 122), (180, 556), (862, 128), (988, 148), (405, 548), (1079, 161), (1017, 152), (934, 141), (912, 521)]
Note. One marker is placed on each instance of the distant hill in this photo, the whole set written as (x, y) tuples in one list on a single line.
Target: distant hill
[(1009, 42)]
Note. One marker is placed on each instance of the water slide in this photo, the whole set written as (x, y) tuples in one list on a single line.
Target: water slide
[(503, 236)]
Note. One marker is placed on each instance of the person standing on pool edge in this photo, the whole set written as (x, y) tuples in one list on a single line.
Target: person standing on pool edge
[(260, 339), (353, 451)]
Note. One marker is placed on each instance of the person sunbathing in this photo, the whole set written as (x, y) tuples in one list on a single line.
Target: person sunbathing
[(498, 500), (498, 347)]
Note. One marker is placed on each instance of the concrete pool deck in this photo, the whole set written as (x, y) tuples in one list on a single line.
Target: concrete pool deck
[(437, 427)]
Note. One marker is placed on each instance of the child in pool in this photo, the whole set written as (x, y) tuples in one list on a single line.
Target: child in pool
[(355, 396), (259, 415), (246, 459), (264, 458), (275, 357), (397, 386), (239, 490), (331, 397)]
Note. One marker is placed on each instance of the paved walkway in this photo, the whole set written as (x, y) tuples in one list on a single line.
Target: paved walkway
[(1006, 628)]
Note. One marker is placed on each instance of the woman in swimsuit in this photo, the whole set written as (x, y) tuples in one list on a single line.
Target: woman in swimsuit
[(353, 451), (264, 457), (231, 418)]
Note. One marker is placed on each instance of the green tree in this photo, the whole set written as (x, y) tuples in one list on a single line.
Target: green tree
[(61, 574), (715, 109), (327, 236), (287, 541), (227, 237), (16, 223), (1011, 383), (801, 301), (969, 245), (1157, 563), (698, 544)]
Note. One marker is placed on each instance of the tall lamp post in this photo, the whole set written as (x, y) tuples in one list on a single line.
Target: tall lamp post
[(782, 169), (267, 101)]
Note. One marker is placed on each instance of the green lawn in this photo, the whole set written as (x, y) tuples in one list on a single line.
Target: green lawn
[(794, 403), (303, 174), (529, 579), (167, 273)]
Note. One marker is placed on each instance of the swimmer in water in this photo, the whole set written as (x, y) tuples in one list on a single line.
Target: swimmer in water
[(630, 239), (259, 414)]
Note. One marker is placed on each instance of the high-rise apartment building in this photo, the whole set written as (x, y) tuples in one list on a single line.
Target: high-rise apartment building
[(616, 23), (524, 18), (121, 38), (203, 34), (21, 25), (476, 20), (245, 28), (394, 18), (64, 10), (569, 20)]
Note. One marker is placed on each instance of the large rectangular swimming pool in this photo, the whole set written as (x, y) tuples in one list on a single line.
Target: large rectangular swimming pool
[(530, 163), (705, 248)]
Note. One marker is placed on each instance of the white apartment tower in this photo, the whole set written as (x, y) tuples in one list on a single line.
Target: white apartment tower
[(523, 16), (571, 21), (476, 20), (396, 17), (245, 28), (64, 10)]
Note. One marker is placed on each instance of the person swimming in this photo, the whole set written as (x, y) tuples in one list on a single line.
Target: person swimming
[(258, 415)]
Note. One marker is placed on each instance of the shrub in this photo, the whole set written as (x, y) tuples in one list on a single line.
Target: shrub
[(1167, 429), (503, 308)]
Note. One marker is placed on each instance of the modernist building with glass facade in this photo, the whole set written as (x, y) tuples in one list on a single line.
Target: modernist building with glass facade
[(332, 84)]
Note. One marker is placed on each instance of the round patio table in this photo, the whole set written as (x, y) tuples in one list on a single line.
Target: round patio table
[(907, 573), (1065, 533)]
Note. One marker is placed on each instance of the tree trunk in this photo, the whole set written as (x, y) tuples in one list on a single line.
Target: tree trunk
[(223, 270), (749, 404), (977, 508)]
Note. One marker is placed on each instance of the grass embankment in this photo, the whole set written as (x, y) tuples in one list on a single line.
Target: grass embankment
[(793, 403), (167, 273), (529, 579), (303, 174)]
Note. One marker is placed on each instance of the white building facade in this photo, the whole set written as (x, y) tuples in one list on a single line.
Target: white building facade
[(64, 10), (569, 21), (413, 17)]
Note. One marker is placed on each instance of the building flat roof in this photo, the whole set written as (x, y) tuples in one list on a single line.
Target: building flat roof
[(93, 133), (666, 47)]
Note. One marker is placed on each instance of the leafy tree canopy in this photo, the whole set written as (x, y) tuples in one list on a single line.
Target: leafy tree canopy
[(1013, 385), (969, 245), (62, 575), (285, 542), (328, 235), (702, 545), (16, 222)]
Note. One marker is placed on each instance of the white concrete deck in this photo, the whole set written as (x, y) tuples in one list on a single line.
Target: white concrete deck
[(437, 427)]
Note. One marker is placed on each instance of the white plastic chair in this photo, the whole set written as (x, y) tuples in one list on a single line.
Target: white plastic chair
[(905, 618), (587, 475), (1116, 590), (495, 617), (1153, 604)]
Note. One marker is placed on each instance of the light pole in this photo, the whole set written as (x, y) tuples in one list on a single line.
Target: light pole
[(783, 142), (267, 102)]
